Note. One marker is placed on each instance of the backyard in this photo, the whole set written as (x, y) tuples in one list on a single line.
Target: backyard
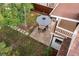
[(22, 44), (13, 42)]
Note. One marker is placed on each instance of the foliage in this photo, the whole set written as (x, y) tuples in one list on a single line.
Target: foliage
[(14, 14), (27, 9), (47, 51), (7, 50), (4, 50), (2, 21), (32, 18)]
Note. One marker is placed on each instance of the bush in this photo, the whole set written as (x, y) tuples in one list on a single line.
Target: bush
[(4, 50)]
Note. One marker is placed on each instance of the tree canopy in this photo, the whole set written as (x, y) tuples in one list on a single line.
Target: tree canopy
[(14, 14)]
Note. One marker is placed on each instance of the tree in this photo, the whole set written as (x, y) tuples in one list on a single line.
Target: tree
[(14, 14), (25, 9), (9, 15)]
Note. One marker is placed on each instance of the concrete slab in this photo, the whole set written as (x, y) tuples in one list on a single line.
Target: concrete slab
[(43, 37)]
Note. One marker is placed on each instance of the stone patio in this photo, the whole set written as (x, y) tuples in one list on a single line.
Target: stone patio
[(43, 37)]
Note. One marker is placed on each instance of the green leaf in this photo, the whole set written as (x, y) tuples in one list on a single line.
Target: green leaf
[(7, 49), (2, 45), (4, 50), (14, 14)]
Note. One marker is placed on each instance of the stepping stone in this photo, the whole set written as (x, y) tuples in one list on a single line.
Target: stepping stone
[(0, 27), (26, 33), (21, 31), (13, 27), (18, 29)]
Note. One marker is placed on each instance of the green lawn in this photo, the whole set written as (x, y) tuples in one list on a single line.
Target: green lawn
[(23, 45)]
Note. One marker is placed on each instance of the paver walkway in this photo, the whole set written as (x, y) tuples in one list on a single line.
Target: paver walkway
[(19, 29)]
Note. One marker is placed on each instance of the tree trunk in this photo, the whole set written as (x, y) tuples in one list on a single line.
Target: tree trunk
[(25, 15)]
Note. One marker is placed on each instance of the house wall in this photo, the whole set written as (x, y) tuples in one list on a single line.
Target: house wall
[(74, 44)]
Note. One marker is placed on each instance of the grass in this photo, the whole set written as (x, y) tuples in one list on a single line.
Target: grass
[(23, 45)]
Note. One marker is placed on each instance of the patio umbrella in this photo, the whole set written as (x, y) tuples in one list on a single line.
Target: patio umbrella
[(43, 20)]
